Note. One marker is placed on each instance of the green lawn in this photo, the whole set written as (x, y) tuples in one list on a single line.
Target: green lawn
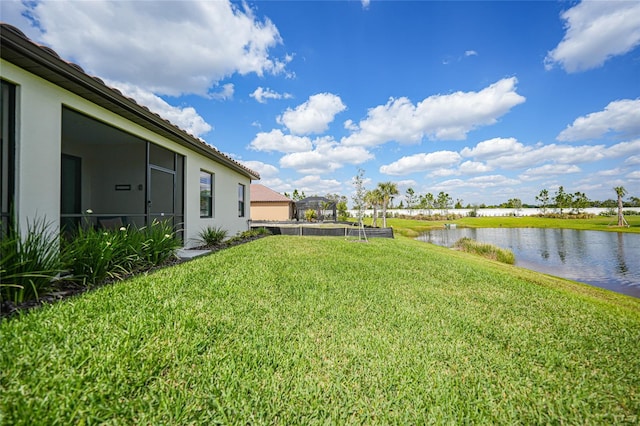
[(303, 330), (413, 228)]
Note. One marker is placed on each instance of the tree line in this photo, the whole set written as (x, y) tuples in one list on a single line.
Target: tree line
[(382, 196)]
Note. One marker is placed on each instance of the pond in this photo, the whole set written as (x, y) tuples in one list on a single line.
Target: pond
[(609, 260)]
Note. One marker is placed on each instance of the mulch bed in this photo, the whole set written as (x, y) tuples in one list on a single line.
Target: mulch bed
[(64, 289)]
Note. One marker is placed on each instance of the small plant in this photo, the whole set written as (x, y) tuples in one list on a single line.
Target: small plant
[(211, 236), (489, 251), (159, 243), (28, 263), (310, 214), (94, 255)]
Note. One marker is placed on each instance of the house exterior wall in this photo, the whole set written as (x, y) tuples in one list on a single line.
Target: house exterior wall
[(39, 106), (270, 211)]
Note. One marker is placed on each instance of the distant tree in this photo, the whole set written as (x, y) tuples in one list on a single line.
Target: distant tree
[(410, 197), (373, 199), (543, 199), (620, 192), (388, 191), (458, 204), (562, 199), (296, 196), (515, 204), (326, 206), (579, 202), (342, 210), (427, 202), (634, 202), (336, 198), (359, 201), (443, 201)]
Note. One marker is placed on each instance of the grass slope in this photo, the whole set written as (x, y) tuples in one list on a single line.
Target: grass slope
[(291, 330)]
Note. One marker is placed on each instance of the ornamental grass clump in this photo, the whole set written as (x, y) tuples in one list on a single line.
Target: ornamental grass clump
[(212, 236), (159, 243), (489, 251), (95, 255), (29, 262)]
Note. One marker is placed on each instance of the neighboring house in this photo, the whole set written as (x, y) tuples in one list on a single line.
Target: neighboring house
[(267, 204), (71, 144)]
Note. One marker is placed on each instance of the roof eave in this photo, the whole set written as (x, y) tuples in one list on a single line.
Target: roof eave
[(19, 50)]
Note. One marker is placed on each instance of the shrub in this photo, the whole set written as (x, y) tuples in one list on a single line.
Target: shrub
[(309, 214), (28, 263), (485, 250), (94, 255), (159, 243), (211, 236)]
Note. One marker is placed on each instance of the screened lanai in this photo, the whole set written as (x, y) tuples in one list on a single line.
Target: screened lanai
[(112, 178), (325, 208)]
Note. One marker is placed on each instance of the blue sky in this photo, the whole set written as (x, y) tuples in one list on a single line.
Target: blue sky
[(486, 101)]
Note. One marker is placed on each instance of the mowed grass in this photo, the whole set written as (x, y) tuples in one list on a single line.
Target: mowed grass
[(304, 330), (413, 228)]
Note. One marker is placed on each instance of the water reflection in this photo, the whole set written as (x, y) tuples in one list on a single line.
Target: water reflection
[(605, 259)]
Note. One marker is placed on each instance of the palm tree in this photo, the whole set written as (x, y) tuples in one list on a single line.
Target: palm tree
[(388, 190), (621, 193), (373, 198)]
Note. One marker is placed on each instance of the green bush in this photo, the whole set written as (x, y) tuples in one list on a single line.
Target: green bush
[(310, 214), (211, 236), (485, 250), (159, 243), (94, 255), (28, 263)]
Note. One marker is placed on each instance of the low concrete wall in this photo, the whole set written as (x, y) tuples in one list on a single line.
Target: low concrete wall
[(324, 231)]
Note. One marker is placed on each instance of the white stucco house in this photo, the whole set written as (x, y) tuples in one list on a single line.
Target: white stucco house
[(71, 144)]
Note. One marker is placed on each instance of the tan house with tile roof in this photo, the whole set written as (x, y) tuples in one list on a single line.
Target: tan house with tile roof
[(74, 149), (269, 205)]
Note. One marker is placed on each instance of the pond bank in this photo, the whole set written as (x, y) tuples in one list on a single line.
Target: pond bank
[(603, 259)]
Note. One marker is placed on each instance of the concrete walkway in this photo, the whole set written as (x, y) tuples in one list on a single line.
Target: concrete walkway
[(190, 254)]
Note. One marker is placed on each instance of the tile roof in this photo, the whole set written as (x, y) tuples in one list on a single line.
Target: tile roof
[(46, 63), (266, 195)]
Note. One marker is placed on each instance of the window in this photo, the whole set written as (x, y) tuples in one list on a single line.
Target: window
[(206, 194), (240, 200)]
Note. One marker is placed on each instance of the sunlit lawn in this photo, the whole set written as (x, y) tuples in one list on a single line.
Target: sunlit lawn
[(303, 330), (412, 227)]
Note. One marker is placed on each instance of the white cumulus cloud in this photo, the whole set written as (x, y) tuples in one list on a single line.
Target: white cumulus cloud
[(438, 117), (224, 93), (595, 32), (146, 43), (421, 162), (474, 167), (261, 95), (265, 170), (549, 170), (275, 140), (326, 156), (492, 148), (620, 117), (314, 115), (315, 185), (185, 118)]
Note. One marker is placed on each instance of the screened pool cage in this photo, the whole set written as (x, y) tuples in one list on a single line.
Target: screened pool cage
[(324, 208)]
